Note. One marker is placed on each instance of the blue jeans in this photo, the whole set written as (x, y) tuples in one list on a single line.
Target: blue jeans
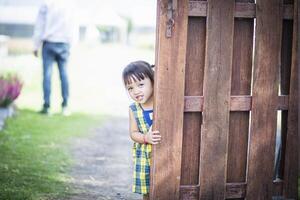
[(59, 53)]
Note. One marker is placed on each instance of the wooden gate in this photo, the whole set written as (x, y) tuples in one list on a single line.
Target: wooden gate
[(225, 69)]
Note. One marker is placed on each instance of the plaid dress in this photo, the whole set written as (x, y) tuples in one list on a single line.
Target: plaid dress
[(141, 154)]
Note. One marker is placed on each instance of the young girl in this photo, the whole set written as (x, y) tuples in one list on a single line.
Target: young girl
[(138, 79)]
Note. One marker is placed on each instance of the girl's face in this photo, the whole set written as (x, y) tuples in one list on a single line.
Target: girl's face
[(140, 91)]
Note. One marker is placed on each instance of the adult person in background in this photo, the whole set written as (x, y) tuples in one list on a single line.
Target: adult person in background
[(55, 31)]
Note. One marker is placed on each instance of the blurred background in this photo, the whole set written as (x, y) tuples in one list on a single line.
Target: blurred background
[(111, 34)]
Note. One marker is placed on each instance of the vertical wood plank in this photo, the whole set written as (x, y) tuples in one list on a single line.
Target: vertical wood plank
[(241, 85), (168, 104), (193, 87), (217, 80), (265, 92), (291, 158), (157, 32), (298, 83), (285, 73), (298, 88)]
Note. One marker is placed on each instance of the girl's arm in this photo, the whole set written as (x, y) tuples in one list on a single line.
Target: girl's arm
[(152, 137)]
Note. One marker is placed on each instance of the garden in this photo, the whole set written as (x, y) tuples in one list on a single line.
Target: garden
[(34, 153), (10, 88), (35, 149)]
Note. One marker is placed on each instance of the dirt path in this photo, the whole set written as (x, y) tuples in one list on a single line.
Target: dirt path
[(103, 163)]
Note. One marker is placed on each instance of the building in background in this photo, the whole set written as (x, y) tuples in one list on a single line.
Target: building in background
[(126, 21), (17, 21)]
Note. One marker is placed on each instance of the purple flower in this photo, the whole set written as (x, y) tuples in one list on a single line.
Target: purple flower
[(10, 88)]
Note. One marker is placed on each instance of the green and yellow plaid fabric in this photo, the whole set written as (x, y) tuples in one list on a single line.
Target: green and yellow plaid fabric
[(141, 155)]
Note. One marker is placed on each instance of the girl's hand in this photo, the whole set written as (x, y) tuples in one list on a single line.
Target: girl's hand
[(153, 137)]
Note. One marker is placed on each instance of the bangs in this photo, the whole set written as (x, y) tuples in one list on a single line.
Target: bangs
[(134, 77), (137, 71)]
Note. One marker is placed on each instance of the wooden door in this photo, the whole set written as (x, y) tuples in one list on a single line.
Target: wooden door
[(224, 69)]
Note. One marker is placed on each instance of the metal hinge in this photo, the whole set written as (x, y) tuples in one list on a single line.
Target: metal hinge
[(172, 6)]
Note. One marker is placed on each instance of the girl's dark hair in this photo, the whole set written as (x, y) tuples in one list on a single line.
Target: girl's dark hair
[(137, 71)]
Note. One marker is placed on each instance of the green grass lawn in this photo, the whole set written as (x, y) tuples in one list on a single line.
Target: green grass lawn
[(34, 154)]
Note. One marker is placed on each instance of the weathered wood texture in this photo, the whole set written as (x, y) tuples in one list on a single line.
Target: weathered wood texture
[(265, 92), (189, 192), (237, 103), (193, 87), (298, 71), (292, 145), (235, 190), (217, 80), (209, 78), (241, 85), (243, 9), (232, 191), (169, 102), (285, 73)]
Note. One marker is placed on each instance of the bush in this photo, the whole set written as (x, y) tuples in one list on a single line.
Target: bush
[(10, 88)]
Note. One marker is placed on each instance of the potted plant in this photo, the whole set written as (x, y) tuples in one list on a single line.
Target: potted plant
[(10, 88)]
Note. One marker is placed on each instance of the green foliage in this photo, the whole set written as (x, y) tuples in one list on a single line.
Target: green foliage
[(34, 154)]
